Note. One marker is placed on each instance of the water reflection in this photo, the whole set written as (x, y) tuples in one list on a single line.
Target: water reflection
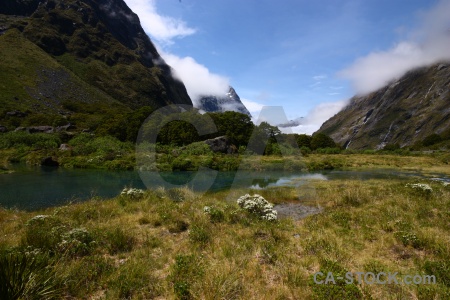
[(38, 187)]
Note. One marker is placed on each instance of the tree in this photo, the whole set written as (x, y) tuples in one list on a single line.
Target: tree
[(236, 126), (432, 139), (264, 138), (321, 140), (304, 140)]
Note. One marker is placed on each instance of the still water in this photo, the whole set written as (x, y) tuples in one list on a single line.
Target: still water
[(33, 188)]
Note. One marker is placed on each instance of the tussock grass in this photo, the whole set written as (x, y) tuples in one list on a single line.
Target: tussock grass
[(165, 246)]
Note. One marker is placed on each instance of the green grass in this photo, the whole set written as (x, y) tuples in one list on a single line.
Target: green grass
[(164, 244)]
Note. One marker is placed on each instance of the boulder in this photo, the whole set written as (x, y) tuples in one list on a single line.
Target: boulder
[(65, 147), (41, 129), (65, 128), (21, 129), (3, 129), (49, 162), (16, 113), (221, 144)]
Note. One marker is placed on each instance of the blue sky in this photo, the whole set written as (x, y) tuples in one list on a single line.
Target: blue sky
[(307, 56)]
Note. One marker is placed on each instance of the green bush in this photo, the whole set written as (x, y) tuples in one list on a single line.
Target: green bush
[(321, 140), (303, 140), (328, 150), (432, 139), (35, 141), (44, 232)]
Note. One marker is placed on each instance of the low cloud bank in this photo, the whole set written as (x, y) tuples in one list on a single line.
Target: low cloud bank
[(317, 116), (428, 44)]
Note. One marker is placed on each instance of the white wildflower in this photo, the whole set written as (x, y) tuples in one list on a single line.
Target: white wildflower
[(257, 205), (132, 192), (420, 186)]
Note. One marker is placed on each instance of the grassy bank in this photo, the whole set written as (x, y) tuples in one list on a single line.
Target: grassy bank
[(86, 150), (163, 245)]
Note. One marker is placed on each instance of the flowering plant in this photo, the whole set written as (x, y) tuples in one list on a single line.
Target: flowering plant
[(77, 241), (132, 193), (257, 205), (420, 186)]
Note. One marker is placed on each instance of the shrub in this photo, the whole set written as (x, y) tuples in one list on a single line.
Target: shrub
[(24, 276), (328, 150), (431, 140), (321, 140), (24, 139), (44, 232), (258, 206), (391, 147), (420, 189), (409, 239), (304, 140), (132, 193), (215, 215), (77, 242)]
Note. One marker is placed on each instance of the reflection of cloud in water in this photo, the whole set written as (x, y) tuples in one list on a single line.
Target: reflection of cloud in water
[(294, 180)]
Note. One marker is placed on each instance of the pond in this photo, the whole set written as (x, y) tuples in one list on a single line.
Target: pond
[(32, 188)]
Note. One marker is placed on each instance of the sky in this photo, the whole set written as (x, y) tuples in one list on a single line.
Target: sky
[(310, 57)]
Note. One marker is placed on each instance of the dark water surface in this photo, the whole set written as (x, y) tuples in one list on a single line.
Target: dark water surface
[(32, 188)]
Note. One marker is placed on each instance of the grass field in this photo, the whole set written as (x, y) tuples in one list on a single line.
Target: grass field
[(163, 245)]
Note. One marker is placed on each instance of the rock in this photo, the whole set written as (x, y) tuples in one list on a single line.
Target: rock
[(221, 144), (49, 162), (65, 128), (65, 147), (41, 129), (3, 129), (228, 102), (21, 129), (442, 66), (175, 153), (16, 113)]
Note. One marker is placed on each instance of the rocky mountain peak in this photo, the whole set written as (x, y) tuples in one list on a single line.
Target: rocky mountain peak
[(228, 102)]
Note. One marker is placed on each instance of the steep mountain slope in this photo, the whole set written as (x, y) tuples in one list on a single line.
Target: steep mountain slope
[(404, 112), (60, 54), (228, 102)]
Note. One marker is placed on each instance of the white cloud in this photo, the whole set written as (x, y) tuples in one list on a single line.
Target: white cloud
[(199, 81), (253, 107), (319, 114), (430, 44), (161, 28)]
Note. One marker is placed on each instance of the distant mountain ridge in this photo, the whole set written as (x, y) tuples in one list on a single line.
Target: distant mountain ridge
[(403, 112), (228, 102)]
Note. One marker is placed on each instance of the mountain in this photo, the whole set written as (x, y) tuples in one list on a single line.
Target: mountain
[(403, 112), (292, 123), (61, 57), (228, 102)]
